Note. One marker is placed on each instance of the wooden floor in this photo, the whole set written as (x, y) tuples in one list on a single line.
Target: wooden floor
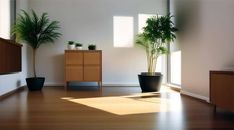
[(52, 109)]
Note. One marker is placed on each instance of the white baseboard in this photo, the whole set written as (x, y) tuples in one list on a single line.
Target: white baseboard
[(195, 95), (119, 84), (103, 84), (53, 84)]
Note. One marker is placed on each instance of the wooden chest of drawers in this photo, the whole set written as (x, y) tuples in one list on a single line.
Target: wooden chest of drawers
[(83, 66)]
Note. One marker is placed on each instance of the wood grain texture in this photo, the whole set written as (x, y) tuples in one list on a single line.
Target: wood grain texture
[(47, 110), (222, 89), (74, 73), (92, 73), (92, 58), (13, 59), (74, 58)]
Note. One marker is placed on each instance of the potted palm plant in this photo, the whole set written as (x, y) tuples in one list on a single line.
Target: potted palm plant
[(156, 35), (34, 31)]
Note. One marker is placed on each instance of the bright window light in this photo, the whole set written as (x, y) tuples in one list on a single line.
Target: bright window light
[(123, 31), (5, 19), (176, 67), (142, 21)]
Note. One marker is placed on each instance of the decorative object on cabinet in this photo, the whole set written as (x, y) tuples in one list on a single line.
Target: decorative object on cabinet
[(92, 47), (79, 46), (71, 45), (222, 89), (34, 31), (10, 56), (83, 66)]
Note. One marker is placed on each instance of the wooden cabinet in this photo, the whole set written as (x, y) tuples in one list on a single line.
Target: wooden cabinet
[(83, 66), (10, 56), (222, 89)]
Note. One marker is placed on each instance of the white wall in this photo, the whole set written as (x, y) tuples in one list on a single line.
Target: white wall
[(10, 82), (206, 40), (91, 21)]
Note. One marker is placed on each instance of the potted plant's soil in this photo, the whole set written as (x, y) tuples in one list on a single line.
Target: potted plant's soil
[(150, 82)]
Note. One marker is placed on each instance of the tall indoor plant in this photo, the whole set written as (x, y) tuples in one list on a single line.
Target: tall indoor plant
[(157, 34), (34, 31)]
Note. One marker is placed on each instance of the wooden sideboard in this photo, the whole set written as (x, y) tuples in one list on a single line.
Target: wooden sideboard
[(10, 56), (222, 89), (83, 66)]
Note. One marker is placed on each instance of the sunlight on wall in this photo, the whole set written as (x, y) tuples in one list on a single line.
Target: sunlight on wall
[(5, 19), (123, 31), (176, 67), (133, 104)]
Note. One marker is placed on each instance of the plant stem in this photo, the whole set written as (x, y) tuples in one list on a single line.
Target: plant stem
[(34, 63)]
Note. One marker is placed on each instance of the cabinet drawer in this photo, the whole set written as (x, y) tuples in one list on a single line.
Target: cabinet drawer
[(74, 58), (74, 73), (92, 73), (92, 58)]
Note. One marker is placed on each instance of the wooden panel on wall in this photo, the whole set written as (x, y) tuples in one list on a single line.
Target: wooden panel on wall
[(10, 56), (3, 66), (13, 58)]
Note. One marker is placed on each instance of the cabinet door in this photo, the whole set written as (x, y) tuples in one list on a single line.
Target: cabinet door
[(92, 73), (92, 58), (74, 58), (74, 73)]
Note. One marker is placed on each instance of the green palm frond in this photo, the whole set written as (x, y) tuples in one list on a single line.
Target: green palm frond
[(34, 30)]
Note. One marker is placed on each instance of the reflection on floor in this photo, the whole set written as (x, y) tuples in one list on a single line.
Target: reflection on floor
[(132, 104)]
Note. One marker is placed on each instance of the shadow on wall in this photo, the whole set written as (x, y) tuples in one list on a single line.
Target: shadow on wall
[(189, 18)]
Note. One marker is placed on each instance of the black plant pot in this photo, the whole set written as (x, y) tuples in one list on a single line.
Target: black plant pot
[(150, 83), (35, 83), (92, 47)]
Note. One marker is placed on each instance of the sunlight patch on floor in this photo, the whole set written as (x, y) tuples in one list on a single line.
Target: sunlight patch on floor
[(132, 104)]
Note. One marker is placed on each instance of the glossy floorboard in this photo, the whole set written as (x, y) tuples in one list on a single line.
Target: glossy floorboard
[(82, 109)]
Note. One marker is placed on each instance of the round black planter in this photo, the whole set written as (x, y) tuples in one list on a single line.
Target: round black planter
[(35, 83), (92, 47), (150, 83)]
